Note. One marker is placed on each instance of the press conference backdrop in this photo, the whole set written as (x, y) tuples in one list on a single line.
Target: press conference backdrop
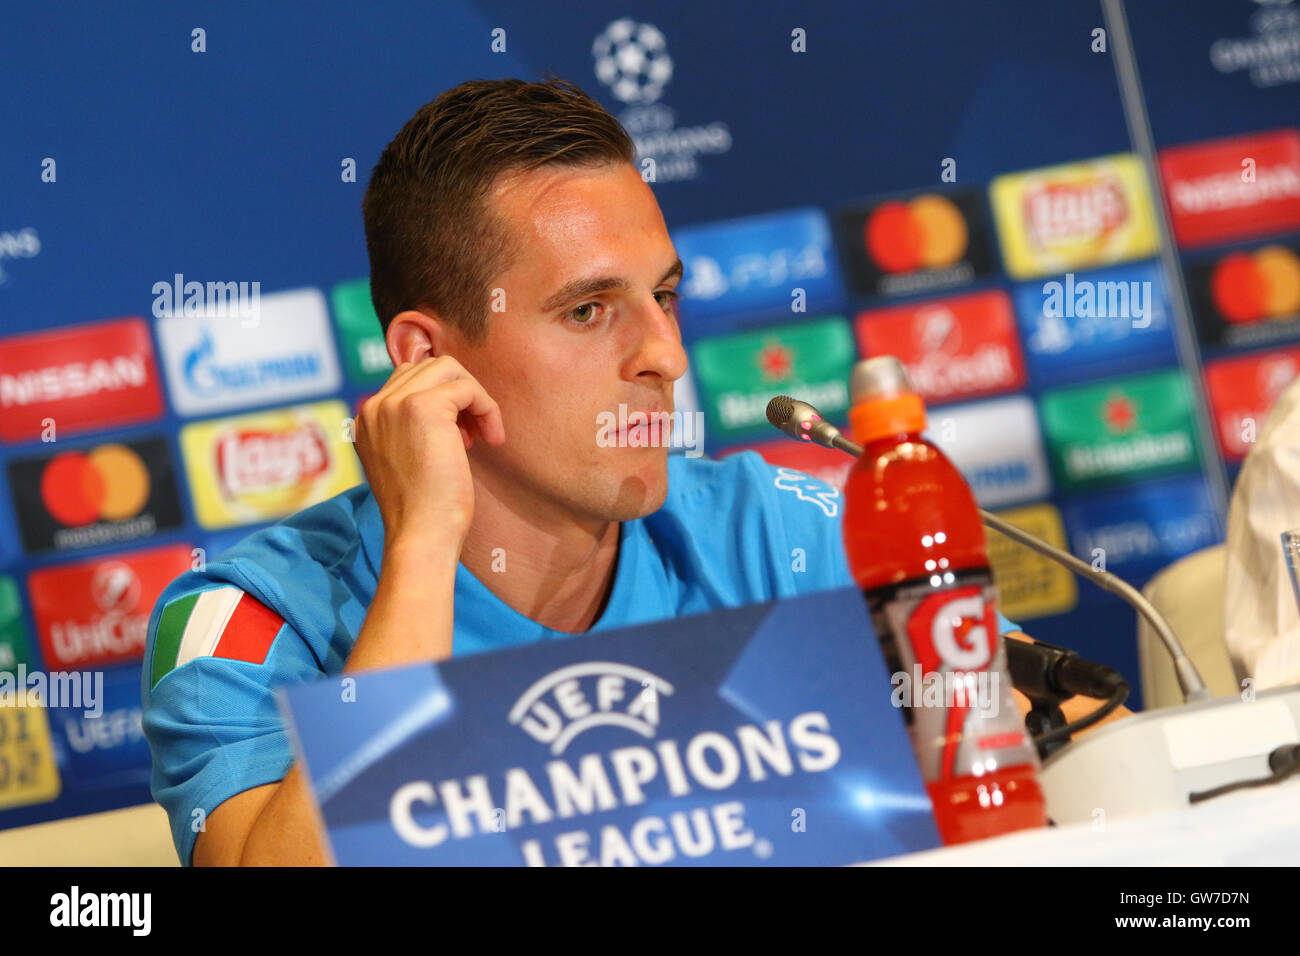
[(952, 183)]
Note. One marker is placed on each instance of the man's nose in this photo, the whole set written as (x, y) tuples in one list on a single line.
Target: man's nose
[(659, 348)]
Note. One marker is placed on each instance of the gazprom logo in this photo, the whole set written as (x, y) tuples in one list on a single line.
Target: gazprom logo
[(216, 364), (576, 698)]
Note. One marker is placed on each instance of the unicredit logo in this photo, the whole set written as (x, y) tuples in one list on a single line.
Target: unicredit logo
[(115, 586), (111, 636), (988, 368), (957, 347), (574, 699)]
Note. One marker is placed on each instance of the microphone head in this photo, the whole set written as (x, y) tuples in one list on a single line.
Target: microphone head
[(801, 421), (780, 410)]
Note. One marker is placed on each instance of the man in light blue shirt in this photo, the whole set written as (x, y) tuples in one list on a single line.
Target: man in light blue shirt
[(526, 283)]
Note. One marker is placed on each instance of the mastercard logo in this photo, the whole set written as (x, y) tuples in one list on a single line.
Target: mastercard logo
[(1264, 284), (929, 232), (108, 483)]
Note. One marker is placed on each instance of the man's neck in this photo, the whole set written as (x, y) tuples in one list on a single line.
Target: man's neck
[(556, 572)]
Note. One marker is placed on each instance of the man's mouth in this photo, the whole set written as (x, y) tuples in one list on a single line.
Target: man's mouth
[(645, 427)]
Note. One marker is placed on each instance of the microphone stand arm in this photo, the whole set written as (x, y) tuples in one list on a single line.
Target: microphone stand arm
[(1189, 678)]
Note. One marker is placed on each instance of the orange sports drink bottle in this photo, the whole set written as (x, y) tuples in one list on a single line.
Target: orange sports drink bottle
[(916, 548)]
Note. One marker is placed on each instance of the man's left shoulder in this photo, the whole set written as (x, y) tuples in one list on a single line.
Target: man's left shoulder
[(764, 516), (746, 476)]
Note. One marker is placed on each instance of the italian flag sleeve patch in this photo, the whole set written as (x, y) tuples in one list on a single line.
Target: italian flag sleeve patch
[(220, 622)]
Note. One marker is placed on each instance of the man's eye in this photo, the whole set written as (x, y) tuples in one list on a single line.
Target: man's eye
[(669, 302), (584, 314)]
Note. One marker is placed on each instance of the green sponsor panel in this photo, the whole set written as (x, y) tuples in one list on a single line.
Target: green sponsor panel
[(14, 649), (1121, 430), (361, 338), (739, 374)]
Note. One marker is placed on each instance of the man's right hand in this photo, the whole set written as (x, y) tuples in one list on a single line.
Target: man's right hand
[(412, 437)]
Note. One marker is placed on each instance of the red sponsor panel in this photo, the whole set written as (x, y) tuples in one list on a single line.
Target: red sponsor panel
[(96, 613), (1233, 188), (85, 377), (1243, 391), (954, 349), (821, 463)]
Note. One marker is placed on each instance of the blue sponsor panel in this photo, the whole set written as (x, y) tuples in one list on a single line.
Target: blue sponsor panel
[(686, 742), (1081, 325), (281, 351), (743, 268), (997, 447), (9, 549), (1139, 529), (98, 736)]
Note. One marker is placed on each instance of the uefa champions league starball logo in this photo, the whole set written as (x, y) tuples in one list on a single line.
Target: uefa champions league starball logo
[(632, 60)]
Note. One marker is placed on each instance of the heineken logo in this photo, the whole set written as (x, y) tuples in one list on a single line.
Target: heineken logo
[(1119, 414), (747, 409), (1144, 451), (1129, 428), (775, 362), (738, 374)]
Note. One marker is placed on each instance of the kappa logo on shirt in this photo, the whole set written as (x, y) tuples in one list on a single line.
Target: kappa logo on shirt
[(809, 489)]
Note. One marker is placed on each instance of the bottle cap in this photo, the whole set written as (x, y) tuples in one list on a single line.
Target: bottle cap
[(881, 377), (884, 400)]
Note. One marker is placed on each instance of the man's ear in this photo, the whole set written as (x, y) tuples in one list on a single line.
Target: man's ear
[(414, 336)]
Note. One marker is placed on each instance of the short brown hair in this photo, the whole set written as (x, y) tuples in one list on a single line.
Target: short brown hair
[(432, 240)]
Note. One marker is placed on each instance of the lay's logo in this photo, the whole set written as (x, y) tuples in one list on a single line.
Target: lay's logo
[(256, 461), (266, 465), (1074, 216), (1087, 211)]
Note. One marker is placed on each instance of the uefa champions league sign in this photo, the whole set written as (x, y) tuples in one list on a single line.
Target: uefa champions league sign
[(752, 736)]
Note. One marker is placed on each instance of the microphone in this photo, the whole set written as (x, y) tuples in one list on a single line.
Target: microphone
[(802, 421)]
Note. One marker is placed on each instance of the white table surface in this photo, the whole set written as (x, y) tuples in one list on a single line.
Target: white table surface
[(1252, 827)]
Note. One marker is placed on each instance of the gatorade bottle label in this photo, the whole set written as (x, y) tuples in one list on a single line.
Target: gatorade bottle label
[(950, 675)]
